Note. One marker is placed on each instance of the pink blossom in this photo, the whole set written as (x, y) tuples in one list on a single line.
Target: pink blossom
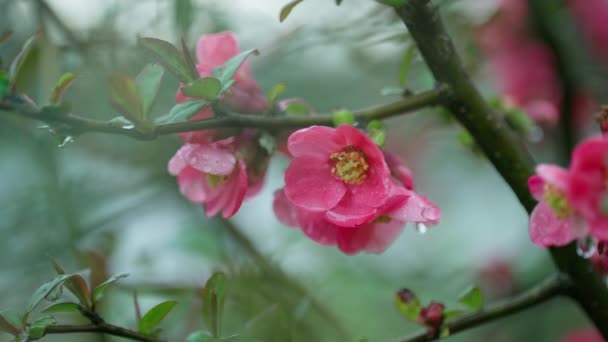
[(210, 174), (338, 172), (588, 184), (245, 95), (592, 16), (552, 221), (584, 335)]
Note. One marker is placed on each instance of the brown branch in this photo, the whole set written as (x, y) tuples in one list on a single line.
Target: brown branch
[(102, 328), (79, 124), (551, 287)]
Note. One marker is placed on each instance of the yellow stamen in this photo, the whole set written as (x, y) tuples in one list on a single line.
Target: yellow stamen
[(350, 165), (557, 201)]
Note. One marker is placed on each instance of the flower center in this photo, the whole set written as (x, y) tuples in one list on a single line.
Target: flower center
[(557, 201), (215, 180), (350, 165)]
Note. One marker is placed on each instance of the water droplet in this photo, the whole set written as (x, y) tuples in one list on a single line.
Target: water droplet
[(421, 228), (131, 126), (66, 141), (585, 247)]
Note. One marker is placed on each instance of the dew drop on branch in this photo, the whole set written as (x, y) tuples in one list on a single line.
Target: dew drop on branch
[(585, 247), (421, 228), (66, 141)]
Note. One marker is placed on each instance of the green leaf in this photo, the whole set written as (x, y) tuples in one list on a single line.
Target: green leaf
[(213, 303), (46, 289), (189, 60), (18, 61), (391, 91), (126, 98), (62, 307), (394, 3), (268, 142), (153, 317), (410, 309), (200, 336), (4, 84), (182, 111), (404, 67), (377, 132), (444, 332), (287, 9), (343, 117), (36, 330), (64, 82), (207, 88), (148, 84), (169, 56), (11, 322), (466, 139), (276, 91), (101, 288), (297, 108), (231, 66), (76, 284), (472, 298), (184, 15)]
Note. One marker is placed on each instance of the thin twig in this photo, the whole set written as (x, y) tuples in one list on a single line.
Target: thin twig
[(80, 124), (104, 328), (551, 287)]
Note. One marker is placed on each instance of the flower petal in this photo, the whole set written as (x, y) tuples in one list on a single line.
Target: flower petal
[(192, 184), (213, 50), (350, 214), (417, 209), (211, 159), (309, 184), (555, 175), (316, 227), (547, 230), (285, 212), (315, 141), (372, 238)]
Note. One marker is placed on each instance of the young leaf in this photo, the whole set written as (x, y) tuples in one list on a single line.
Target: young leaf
[(148, 84), (343, 117), (62, 307), (64, 82), (408, 304), (17, 63), (4, 84), (10, 322), (276, 91), (189, 60), (452, 313), (268, 142), (126, 98), (472, 298), (153, 317), (207, 88), (184, 14), (36, 330), (232, 65), (213, 303), (404, 67), (287, 9), (182, 111), (44, 290), (169, 56), (76, 284), (99, 290), (377, 132), (200, 336), (297, 108)]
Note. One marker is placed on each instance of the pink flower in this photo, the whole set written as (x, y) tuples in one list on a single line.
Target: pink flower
[(588, 184), (210, 174), (375, 233), (592, 16), (338, 172), (245, 95), (552, 221), (584, 335)]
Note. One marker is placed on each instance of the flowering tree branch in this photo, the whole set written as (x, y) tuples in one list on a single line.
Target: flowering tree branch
[(551, 287), (103, 328), (224, 119), (507, 155)]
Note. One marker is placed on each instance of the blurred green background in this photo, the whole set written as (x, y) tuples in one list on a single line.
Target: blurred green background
[(107, 203)]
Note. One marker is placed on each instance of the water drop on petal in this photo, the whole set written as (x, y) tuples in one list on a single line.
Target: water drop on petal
[(67, 140), (421, 228), (585, 247)]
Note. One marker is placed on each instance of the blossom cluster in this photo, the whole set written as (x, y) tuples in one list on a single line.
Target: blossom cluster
[(573, 202), (340, 188)]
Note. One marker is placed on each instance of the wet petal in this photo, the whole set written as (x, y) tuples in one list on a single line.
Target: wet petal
[(315, 141), (547, 230)]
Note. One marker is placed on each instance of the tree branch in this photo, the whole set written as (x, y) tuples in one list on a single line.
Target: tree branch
[(81, 124), (103, 328), (551, 287), (507, 155)]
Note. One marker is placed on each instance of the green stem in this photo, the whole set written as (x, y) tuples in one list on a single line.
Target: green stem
[(79, 124), (551, 287), (507, 155), (102, 328)]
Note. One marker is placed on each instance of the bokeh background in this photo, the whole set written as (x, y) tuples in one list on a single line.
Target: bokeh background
[(107, 203)]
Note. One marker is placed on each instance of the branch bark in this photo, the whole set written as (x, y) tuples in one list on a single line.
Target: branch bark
[(80, 124), (102, 328), (507, 155), (548, 289)]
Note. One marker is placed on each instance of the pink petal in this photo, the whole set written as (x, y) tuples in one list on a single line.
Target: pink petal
[(316, 227), (547, 230), (554, 175), (398, 170), (536, 186), (309, 184), (350, 214), (315, 141), (192, 184), (417, 209), (372, 238), (284, 210), (213, 50), (178, 162), (246, 96), (209, 158), (237, 193), (543, 111)]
